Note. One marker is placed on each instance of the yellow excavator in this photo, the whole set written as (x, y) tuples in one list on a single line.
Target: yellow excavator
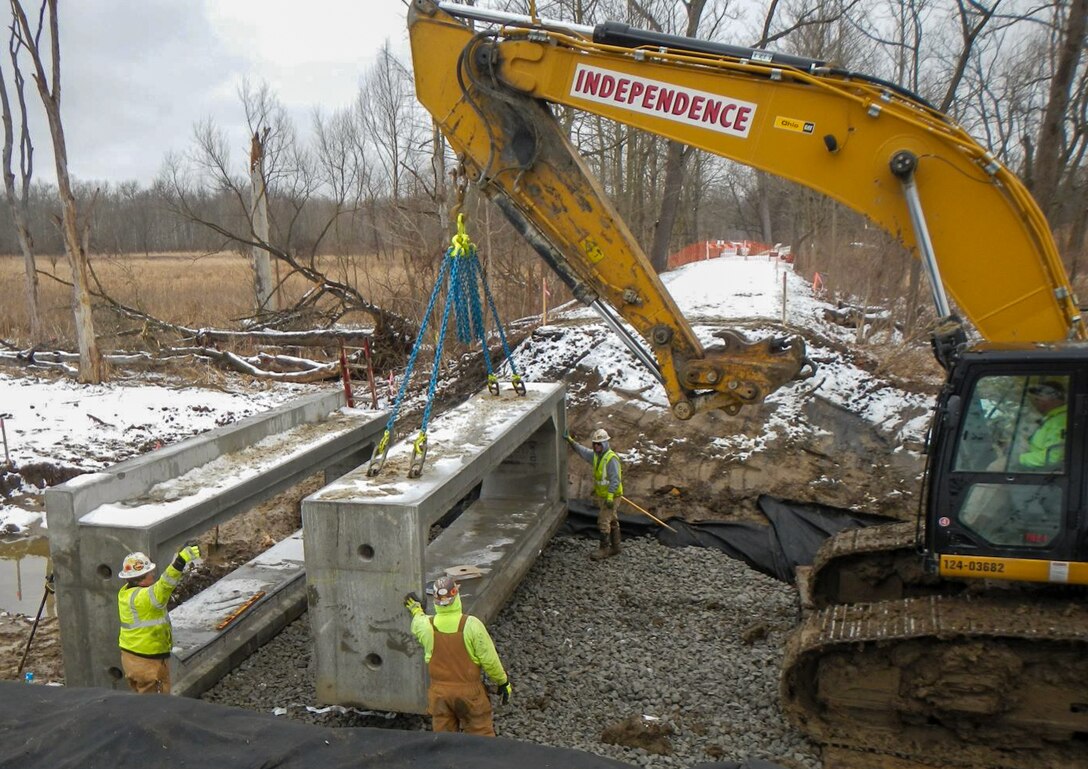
[(959, 640)]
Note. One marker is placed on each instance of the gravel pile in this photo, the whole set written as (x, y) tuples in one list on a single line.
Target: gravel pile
[(687, 642)]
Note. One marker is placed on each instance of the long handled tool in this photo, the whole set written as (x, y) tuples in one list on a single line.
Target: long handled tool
[(649, 515), (34, 627)]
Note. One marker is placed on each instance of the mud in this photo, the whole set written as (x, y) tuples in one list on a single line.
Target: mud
[(636, 731)]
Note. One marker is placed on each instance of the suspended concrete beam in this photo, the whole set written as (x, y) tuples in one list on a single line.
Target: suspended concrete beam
[(157, 502), (368, 541)]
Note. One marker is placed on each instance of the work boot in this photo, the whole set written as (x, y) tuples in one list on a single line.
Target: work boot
[(615, 535), (603, 550)]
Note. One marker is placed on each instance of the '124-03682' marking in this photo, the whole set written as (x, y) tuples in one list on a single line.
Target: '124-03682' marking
[(985, 567)]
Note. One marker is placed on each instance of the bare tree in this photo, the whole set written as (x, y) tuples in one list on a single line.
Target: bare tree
[(90, 361), (1052, 140), (18, 201)]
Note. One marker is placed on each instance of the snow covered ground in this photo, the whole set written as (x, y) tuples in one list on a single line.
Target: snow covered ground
[(91, 427)]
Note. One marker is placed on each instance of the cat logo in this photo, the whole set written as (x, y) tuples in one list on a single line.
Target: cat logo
[(792, 124)]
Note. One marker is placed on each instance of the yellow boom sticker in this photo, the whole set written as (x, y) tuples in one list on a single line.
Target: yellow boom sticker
[(593, 252), (792, 124)]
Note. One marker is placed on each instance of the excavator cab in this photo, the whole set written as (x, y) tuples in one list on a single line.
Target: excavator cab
[(1006, 493)]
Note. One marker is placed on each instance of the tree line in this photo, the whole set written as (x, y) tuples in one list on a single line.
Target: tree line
[(370, 181)]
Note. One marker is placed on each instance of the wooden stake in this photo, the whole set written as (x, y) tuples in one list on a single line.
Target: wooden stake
[(649, 515)]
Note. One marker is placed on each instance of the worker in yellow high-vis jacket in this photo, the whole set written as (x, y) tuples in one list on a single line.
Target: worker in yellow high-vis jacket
[(607, 488), (456, 647), (146, 637)]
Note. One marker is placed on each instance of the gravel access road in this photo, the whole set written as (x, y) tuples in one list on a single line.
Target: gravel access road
[(684, 642)]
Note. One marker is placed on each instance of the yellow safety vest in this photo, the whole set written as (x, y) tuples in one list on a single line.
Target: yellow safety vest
[(600, 464), (145, 621)]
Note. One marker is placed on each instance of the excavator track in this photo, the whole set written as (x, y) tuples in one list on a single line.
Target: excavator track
[(874, 563), (996, 682)]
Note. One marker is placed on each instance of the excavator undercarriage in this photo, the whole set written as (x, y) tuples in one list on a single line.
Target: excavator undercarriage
[(969, 682)]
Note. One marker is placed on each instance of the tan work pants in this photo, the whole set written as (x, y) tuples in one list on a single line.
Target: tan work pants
[(607, 519), (146, 676), (460, 708)]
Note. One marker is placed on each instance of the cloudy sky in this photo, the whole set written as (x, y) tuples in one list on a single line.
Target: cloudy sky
[(136, 75)]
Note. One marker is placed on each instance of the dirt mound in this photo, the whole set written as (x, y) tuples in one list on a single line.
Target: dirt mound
[(637, 731), (34, 474), (707, 469)]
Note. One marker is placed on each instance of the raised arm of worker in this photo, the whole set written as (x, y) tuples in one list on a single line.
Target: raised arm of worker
[(584, 452)]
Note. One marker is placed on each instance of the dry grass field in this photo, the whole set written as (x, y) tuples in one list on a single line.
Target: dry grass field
[(194, 290)]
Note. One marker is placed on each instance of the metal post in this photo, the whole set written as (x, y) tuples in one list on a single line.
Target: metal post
[(370, 373), (783, 297), (4, 432), (346, 377)]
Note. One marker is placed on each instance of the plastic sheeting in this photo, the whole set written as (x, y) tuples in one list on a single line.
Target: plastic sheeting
[(55, 727), (795, 532)]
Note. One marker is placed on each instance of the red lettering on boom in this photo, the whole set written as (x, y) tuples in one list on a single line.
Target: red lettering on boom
[(664, 100), (724, 119), (621, 89), (593, 82), (711, 110), (696, 106), (636, 90), (608, 85), (680, 103), (648, 99), (740, 124)]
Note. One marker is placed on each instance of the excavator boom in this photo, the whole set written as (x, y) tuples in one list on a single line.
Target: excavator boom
[(866, 143), (515, 150)]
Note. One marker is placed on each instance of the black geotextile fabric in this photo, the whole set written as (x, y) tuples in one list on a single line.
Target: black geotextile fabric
[(795, 533), (57, 727)]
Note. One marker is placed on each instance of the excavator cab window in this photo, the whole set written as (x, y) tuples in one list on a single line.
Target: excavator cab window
[(1013, 446)]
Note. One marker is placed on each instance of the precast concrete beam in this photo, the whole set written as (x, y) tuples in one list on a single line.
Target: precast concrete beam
[(368, 541), (156, 502), (215, 630)]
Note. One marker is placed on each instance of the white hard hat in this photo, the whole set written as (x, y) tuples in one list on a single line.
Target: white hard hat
[(135, 565), (445, 590), (599, 436)]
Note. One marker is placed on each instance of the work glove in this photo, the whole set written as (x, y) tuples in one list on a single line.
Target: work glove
[(189, 553), (504, 691), (412, 604), (610, 500), (50, 584), (567, 437)]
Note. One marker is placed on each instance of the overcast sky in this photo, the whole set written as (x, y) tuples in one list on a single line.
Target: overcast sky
[(136, 75)]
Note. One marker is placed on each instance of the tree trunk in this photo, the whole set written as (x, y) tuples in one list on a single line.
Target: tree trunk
[(764, 194), (670, 205), (90, 361), (1049, 144), (674, 173), (18, 204), (263, 286)]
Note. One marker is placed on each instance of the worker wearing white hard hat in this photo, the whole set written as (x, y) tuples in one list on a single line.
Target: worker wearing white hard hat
[(607, 486), (146, 636)]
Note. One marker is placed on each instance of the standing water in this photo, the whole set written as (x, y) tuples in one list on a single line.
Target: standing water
[(24, 564)]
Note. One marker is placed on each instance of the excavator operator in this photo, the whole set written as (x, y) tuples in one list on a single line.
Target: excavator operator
[(1046, 447)]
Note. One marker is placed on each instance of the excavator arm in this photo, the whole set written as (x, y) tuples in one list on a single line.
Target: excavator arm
[(865, 143)]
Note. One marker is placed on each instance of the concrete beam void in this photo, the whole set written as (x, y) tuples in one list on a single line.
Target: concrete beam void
[(157, 502), (496, 466)]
